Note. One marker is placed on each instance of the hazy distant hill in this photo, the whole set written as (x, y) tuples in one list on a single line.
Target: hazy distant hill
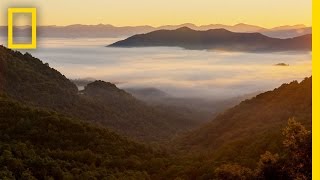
[(204, 108), (215, 39), (288, 27), (109, 31), (147, 93), (241, 27), (288, 33), (247, 130), (80, 31)]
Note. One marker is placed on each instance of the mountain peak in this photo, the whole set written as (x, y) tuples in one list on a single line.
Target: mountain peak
[(184, 28), (242, 24), (102, 85)]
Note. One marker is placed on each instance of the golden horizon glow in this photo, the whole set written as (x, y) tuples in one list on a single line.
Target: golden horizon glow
[(268, 13)]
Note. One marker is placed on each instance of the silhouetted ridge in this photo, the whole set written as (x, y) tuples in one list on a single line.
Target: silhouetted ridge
[(184, 29), (107, 30), (215, 39)]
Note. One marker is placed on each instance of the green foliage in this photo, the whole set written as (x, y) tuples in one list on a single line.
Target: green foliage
[(298, 145), (294, 164), (233, 171), (268, 167), (43, 144), (244, 132)]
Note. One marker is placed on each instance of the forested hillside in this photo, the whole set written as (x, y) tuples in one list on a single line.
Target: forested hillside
[(41, 144), (245, 131), (27, 79), (137, 118)]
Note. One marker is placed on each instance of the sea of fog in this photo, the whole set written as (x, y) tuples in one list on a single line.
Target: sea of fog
[(179, 72)]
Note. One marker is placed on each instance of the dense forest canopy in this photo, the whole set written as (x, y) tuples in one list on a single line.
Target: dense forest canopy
[(241, 133)]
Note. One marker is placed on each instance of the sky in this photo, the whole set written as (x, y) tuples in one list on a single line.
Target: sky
[(265, 13)]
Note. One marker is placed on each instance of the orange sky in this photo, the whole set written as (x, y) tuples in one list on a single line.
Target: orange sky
[(266, 13)]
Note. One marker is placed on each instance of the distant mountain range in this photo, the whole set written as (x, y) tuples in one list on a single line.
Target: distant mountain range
[(106, 30), (216, 39)]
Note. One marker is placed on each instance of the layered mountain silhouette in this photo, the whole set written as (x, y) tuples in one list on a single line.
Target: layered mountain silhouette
[(216, 39), (109, 31)]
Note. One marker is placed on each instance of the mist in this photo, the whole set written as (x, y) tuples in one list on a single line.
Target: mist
[(176, 71)]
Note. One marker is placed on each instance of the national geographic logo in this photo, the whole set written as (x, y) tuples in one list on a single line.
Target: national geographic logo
[(33, 44)]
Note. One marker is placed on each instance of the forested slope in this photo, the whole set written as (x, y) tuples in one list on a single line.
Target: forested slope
[(245, 131), (29, 80)]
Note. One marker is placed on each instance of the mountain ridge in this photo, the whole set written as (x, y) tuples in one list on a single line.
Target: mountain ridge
[(108, 30), (243, 132), (216, 39)]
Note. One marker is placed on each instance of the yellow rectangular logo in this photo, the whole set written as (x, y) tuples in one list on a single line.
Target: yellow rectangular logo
[(11, 12)]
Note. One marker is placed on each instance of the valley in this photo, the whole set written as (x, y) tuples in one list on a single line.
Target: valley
[(51, 129)]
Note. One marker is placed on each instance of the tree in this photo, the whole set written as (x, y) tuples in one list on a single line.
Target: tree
[(298, 145), (5, 174), (233, 171), (269, 167)]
